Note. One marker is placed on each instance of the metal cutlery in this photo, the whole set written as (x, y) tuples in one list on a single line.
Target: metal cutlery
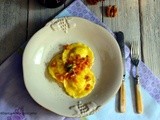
[(135, 62), (122, 91)]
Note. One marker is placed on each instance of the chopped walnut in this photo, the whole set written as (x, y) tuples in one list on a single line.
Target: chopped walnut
[(111, 11)]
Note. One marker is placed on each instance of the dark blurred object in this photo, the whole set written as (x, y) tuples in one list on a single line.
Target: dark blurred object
[(93, 2), (51, 3)]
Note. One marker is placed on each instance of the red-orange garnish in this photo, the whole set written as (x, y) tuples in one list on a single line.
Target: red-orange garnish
[(60, 77), (53, 64), (78, 57), (87, 78), (76, 64), (87, 87), (67, 47)]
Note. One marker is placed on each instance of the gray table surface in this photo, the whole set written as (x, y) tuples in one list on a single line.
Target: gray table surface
[(138, 19)]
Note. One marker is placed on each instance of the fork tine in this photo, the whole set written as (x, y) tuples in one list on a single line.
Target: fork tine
[(132, 50), (135, 50), (135, 62), (136, 47)]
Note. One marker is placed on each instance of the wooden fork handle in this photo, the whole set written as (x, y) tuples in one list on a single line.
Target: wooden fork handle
[(139, 103), (122, 97)]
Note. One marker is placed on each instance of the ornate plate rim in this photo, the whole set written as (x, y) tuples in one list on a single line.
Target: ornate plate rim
[(52, 25)]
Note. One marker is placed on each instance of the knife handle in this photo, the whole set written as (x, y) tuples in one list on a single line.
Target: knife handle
[(122, 97), (139, 103)]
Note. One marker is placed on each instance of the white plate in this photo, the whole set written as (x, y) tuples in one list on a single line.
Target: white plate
[(48, 41)]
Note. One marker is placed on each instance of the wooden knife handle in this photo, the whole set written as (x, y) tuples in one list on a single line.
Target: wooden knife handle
[(122, 97), (139, 103)]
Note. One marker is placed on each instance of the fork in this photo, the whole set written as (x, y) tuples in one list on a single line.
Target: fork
[(135, 62)]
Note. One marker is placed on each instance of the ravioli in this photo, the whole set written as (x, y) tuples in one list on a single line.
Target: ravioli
[(82, 85), (56, 68), (75, 49), (72, 68)]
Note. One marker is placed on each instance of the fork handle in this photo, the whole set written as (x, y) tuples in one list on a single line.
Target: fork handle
[(139, 103), (122, 97)]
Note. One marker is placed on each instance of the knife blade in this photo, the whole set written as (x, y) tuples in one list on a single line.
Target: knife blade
[(120, 39)]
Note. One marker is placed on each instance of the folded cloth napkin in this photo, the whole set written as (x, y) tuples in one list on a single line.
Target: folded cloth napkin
[(16, 103), (150, 93)]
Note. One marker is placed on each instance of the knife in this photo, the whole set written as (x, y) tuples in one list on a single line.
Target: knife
[(122, 92)]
